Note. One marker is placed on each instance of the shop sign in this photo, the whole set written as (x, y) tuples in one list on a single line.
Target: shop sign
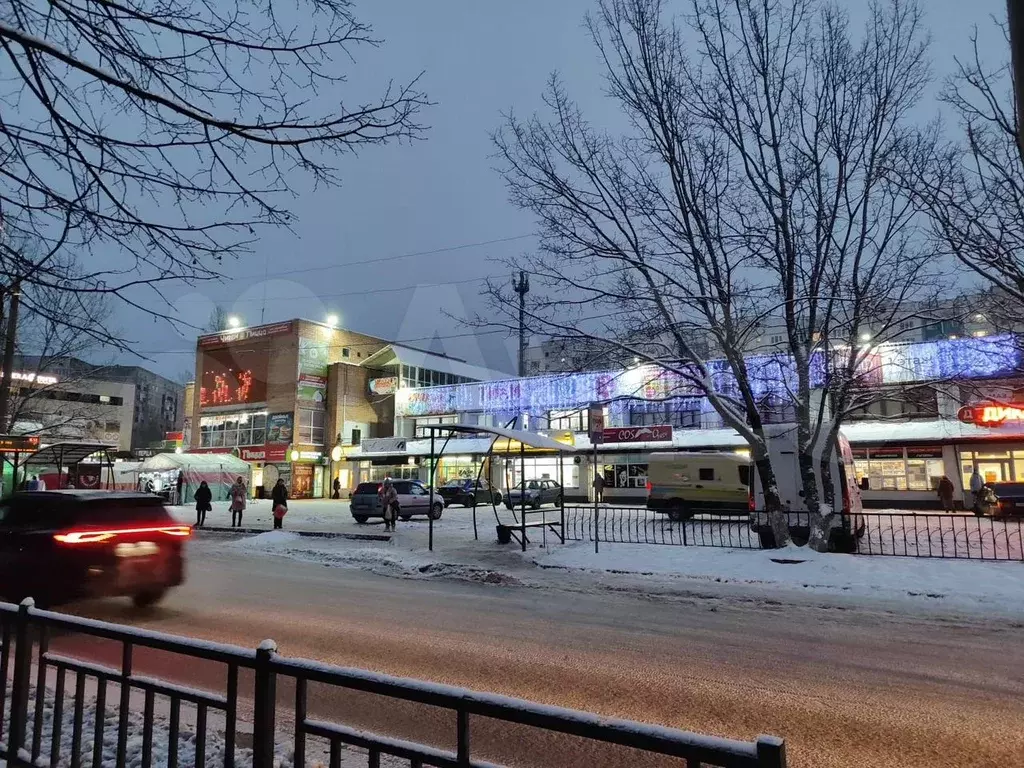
[(298, 455), (655, 434), (280, 427), (384, 445), (886, 453), (859, 453), (595, 418), (925, 452), (386, 385), (268, 453), (243, 334), (991, 415), (32, 378), (312, 388)]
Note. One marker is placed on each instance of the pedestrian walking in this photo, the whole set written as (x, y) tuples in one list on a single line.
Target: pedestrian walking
[(946, 494), (238, 495), (203, 496), (337, 489), (599, 488), (977, 483), (388, 497), (279, 500), (179, 500)]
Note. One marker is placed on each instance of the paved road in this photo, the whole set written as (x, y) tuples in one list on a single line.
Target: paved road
[(845, 688)]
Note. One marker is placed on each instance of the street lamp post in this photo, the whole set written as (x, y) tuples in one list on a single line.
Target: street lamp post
[(1015, 25)]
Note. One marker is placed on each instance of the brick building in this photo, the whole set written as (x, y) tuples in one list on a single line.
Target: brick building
[(293, 397)]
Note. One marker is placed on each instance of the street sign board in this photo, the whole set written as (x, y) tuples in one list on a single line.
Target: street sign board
[(596, 420), (653, 434), (19, 442)]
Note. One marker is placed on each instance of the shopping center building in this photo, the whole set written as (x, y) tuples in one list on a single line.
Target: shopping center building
[(939, 408), (295, 398)]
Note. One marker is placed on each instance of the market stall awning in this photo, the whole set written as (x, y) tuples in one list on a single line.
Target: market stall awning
[(68, 454)]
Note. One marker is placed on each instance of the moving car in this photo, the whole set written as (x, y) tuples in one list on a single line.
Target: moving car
[(537, 492), (413, 499), (59, 546), (469, 493), (684, 484)]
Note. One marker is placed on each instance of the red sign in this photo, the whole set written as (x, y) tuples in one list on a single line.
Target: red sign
[(268, 453), (174, 437), (992, 415), (655, 434)]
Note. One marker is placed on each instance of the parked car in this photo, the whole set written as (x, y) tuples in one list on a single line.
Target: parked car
[(60, 546), (469, 493), (537, 492), (413, 499)]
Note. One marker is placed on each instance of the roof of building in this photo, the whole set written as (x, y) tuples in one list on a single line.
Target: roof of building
[(431, 361), (68, 453)]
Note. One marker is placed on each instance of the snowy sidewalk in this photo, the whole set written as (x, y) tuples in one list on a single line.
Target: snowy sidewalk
[(890, 583)]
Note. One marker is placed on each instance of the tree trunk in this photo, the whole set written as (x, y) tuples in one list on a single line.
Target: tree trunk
[(778, 521)]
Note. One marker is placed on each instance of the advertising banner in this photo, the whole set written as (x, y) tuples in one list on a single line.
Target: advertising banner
[(269, 453), (314, 356), (280, 427), (244, 334), (387, 385), (311, 388), (233, 377)]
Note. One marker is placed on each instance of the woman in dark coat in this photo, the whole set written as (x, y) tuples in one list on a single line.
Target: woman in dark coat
[(279, 501), (203, 497)]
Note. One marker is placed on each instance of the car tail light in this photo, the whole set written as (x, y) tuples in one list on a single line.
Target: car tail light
[(97, 536), (648, 486), (750, 502)]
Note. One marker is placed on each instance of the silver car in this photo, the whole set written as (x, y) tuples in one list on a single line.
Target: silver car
[(413, 499)]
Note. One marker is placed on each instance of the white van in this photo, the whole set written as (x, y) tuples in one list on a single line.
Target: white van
[(684, 484), (782, 447)]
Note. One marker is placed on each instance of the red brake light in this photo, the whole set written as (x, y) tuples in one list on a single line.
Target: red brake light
[(750, 502), (98, 536), (648, 486)]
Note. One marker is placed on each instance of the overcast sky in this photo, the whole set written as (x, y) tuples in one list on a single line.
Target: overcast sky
[(439, 198)]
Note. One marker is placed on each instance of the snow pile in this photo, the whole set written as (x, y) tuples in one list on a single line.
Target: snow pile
[(387, 560)]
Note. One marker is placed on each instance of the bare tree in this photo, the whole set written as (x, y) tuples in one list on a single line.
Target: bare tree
[(755, 187), (974, 191), (49, 338), (152, 140)]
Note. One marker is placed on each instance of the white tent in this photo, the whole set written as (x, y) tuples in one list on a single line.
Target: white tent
[(219, 470)]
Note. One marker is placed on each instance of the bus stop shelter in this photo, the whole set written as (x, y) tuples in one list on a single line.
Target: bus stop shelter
[(69, 455), (514, 442)]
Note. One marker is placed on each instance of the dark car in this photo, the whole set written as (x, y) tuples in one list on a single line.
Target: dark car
[(413, 499), (469, 493), (59, 546), (537, 492)]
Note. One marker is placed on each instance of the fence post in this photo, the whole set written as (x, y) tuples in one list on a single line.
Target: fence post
[(21, 682), (264, 706), (771, 752)]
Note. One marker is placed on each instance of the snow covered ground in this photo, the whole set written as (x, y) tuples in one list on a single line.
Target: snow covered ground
[(214, 745), (913, 584)]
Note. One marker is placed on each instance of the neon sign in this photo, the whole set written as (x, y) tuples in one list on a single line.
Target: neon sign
[(991, 415)]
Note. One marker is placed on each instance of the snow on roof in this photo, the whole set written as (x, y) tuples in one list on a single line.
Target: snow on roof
[(165, 461), (433, 362)]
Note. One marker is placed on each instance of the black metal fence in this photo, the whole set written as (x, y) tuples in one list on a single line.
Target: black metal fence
[(43, 724), (904, 534)]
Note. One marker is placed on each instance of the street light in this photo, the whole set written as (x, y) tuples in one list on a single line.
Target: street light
[(234, 321), (332, 320)]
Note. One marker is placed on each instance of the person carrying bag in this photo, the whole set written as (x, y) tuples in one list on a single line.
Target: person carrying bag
[(279, 499)]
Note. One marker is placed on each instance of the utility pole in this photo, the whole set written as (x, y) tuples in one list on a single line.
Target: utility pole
[(522, 288), (8, 363), (1015, 25)]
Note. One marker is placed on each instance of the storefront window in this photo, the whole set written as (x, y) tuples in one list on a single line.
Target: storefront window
[(543, 468), (625, 471), (900, 469), (230, 430)]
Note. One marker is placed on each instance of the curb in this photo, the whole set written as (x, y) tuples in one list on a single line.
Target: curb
[(308, 534)]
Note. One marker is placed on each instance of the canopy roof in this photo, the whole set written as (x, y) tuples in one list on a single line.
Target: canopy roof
[(197, 461), (67, 454), (520, 436)]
